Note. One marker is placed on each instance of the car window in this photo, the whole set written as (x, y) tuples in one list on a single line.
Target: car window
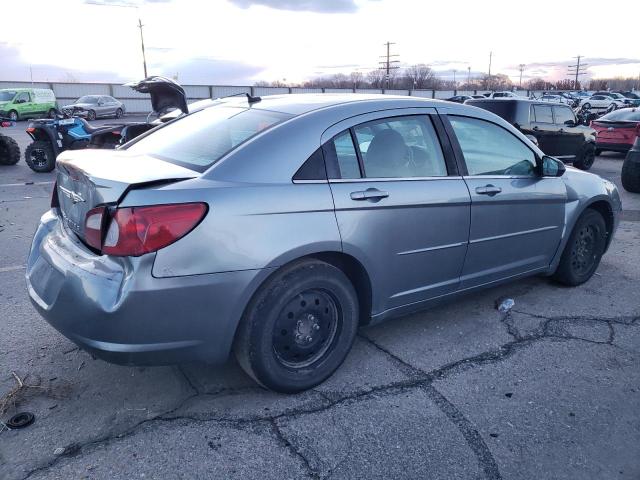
[(22, 97), (400, 147), (346, 155), (563, 114), (489, 149), (597, 97), (200, 139), (542, 113)]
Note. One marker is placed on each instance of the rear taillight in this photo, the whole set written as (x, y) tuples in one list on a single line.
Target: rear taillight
[(134, 231), (55, 201), (94, 226)]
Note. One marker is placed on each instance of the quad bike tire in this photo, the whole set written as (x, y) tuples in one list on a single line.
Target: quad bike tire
[(40, 157), (9, 151)]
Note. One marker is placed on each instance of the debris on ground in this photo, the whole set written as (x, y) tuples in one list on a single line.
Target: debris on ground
[(21, 420), (505, 304), (25, 388)]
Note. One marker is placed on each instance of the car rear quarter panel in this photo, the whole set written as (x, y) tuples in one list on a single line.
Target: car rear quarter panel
[(248, 226)]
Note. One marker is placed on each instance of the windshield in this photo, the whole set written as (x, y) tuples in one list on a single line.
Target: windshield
[(198, 140), (625, 115), (88, 99), (7, 95)]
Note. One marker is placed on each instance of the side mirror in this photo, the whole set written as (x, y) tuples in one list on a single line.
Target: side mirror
[(552, 167)]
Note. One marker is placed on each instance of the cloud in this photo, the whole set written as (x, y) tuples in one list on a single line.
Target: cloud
[(207, 71), (318, 6)]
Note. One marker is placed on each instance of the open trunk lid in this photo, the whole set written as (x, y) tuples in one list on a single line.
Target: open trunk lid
[(88, 178)]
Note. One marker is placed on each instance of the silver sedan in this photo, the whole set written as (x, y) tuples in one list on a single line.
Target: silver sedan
[(275, 227), (96, 106)]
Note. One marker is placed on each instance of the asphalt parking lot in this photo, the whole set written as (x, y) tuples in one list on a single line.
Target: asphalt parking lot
[(549, 391)]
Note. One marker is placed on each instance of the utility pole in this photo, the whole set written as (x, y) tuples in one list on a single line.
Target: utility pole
[(489, 79), (521, 67), (388, 64), (577, 70), (144, 57), (454, 79)]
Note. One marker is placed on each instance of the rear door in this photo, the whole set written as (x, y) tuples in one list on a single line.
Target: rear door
[(401, 207), (517, 216), (545, 130), (570, 136)]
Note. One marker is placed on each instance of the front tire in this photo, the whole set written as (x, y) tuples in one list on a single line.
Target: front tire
[(9, 151), (40, 157), (13, 116), (582, 254), (586, 157), (119, 113), (52, 113), (91, 115), (586, 106), (299, 327)]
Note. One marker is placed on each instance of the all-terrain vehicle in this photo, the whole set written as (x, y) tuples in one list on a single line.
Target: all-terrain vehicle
[(9, 149), (69, 131)]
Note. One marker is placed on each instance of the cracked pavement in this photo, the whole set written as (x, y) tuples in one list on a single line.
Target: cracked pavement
[(550, 390)]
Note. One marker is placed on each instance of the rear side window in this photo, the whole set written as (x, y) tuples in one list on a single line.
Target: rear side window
[(624, 115), (401, 147), (489, 149), (563, 114), (542, 114), (346, 155), (198, 140)]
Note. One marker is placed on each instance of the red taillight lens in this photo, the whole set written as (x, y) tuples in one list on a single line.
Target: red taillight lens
[(31, 130), (134, 231), (93, 226), (55, 201)]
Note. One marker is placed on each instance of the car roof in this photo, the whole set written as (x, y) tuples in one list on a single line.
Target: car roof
[(299, 104)]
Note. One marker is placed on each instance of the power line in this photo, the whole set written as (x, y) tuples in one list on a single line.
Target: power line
[(389, 64), (577, 70)]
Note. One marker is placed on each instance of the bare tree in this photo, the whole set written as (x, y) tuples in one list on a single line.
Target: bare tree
[(357, 79), (376, 78), (420, 76)]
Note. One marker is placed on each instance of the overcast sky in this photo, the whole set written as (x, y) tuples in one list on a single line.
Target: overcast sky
[(242, 41)]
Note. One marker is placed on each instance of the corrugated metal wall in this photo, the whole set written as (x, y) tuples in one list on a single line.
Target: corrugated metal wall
[(135, 102)]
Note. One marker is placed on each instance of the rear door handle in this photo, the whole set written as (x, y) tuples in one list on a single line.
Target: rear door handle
[(369, 194), (490, 190)]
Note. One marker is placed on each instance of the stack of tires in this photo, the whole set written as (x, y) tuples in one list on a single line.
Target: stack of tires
[(631, 169), (9, 151)]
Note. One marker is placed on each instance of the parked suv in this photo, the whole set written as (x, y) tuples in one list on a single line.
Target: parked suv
[(554, 127), (19, 103)]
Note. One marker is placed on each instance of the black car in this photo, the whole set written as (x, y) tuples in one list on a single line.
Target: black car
[(553, 127), (459, 98)]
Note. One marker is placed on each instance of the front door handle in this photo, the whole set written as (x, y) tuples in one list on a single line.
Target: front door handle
[(369, 194), (490, 190), (536, 129)]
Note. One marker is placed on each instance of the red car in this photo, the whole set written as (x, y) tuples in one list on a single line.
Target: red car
[(616, 131)]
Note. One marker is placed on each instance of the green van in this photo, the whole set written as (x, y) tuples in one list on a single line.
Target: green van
[(19, 103)]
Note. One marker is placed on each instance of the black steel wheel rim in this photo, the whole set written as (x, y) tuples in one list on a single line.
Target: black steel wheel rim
[(583, 255), (305, 330), (589, 158), (38, 157)]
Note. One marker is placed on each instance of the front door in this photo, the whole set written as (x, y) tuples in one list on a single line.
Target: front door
[(401, 209), (517, 216)]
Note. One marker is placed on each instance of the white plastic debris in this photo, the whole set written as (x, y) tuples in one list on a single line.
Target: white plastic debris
[(505, 304)]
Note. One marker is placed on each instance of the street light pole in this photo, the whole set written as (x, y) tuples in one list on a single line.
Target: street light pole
[(144, 57)]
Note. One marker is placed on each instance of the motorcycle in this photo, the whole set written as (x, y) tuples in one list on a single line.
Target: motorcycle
[(9, 149)]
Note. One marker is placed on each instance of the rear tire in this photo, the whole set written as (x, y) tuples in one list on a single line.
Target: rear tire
[(586, 157), (583, 251), (299, 327), (631, 174), (9, 151), (52, 113), (40, 157), (586, 106)]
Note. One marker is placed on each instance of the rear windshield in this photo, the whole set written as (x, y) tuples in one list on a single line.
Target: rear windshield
[(503, 108), (7, 95), (625, 115), (198, 140)]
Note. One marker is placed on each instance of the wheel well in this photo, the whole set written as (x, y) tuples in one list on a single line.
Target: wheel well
[(358, 276), (604, 209)]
